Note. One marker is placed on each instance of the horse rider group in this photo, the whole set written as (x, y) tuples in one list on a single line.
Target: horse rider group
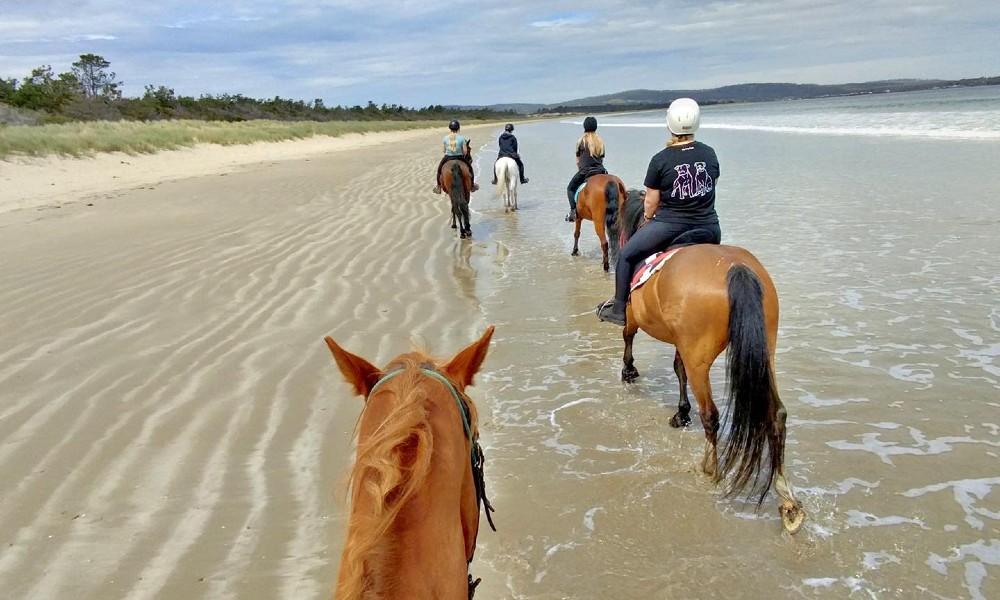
[(679, 203)]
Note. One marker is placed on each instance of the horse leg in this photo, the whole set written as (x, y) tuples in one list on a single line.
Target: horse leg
[(702, 389), (682, 418), (602, 236), (576, 238), (629, 372), (792, 513), (466, 223)]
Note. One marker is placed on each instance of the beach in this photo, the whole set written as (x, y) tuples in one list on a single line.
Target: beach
[(172, 423), (173, 426)]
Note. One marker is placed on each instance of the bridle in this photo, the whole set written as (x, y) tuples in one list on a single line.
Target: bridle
[(477, 459)]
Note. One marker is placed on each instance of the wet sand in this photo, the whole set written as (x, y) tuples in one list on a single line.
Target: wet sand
[(172, 424)]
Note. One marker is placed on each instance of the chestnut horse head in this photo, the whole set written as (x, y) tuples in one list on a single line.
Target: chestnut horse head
[(416, 484), (598, 202), (707, 298)]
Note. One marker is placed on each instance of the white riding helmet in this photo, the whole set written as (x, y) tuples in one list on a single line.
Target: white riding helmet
[(683, 116)]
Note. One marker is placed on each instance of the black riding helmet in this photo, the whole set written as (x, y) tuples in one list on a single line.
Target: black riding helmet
[(508, 127), (454, 125), (590, 124)]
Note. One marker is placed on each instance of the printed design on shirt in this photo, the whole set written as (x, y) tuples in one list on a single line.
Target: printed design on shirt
[(688, 185)]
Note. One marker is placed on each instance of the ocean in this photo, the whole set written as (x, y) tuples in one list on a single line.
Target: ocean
[(878, 218)]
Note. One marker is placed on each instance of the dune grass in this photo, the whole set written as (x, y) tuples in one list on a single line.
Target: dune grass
[(89, 138)]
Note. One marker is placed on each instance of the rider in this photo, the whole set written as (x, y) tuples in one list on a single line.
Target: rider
[(680, 197), (508, 147), (589, 161), (456, 146)]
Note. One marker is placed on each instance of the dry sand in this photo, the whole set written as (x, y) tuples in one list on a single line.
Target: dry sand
[(171, 423)]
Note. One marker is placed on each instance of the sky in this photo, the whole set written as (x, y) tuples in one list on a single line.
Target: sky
[(420, 52)]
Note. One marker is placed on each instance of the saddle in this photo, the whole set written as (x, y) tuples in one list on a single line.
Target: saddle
[(655, 262)]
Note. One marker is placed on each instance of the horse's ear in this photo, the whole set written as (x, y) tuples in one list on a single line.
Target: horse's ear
[(357, 371), (463, 367)]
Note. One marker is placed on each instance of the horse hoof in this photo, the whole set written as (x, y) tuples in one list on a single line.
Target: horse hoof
[(453, 226), (792, 517), (575, 253), (606, 267), (629, 375), (679, 420)]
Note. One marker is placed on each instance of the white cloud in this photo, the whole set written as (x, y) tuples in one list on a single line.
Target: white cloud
[(417, 53)]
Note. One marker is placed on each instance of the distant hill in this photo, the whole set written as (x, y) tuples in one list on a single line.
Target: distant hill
[(744, 92)]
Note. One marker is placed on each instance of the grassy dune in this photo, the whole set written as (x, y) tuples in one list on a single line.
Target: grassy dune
[(88, 138)]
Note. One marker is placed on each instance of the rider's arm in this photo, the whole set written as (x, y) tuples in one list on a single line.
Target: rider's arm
[(651, 204)]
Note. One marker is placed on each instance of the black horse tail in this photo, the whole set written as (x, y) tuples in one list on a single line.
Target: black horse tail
[(612, 197), (754, 402), (457, 186)]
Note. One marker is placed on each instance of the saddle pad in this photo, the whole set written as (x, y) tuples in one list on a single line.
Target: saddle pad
[(576, 196), (649, 266)]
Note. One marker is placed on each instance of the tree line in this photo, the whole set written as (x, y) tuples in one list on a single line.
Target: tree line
[(90, 91)]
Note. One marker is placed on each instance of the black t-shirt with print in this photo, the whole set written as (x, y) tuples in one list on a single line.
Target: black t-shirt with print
[(686, 176), (588, 162)]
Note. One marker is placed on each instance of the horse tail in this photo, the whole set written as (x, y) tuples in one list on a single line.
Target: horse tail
[(457, 181), (611, 199), (752, 391), (391, 465), (500, 170)]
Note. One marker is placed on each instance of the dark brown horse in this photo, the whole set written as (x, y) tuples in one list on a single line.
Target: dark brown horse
[(705, 299), (416, 485), (456, 180), (598, 201)]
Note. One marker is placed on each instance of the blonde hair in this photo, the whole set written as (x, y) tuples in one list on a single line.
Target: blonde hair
[(593, 143), (452, 143), (679, 140)]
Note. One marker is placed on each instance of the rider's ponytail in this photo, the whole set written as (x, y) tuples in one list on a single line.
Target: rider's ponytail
[(593, 143), (452, 142)]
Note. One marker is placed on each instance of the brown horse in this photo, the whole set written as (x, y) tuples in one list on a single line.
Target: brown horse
[(456, 180), (706, 298), (417, 480), (598, 202)]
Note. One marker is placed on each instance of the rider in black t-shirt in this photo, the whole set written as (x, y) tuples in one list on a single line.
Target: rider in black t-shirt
[(680, 196)]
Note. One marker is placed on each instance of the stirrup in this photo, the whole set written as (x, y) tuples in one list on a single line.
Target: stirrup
[(606, 313)]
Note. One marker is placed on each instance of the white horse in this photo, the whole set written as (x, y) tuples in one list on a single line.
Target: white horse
[(507, 180)]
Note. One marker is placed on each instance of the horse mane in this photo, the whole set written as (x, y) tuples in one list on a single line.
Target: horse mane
[(390, 467), (630, 211)]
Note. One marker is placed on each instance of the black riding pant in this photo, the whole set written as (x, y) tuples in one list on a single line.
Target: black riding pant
[(468, 161), (517, 159), (578, 180), (655, 236)]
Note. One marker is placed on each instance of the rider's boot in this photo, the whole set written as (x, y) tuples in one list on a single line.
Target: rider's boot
[(571, 217), (612, 311)]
